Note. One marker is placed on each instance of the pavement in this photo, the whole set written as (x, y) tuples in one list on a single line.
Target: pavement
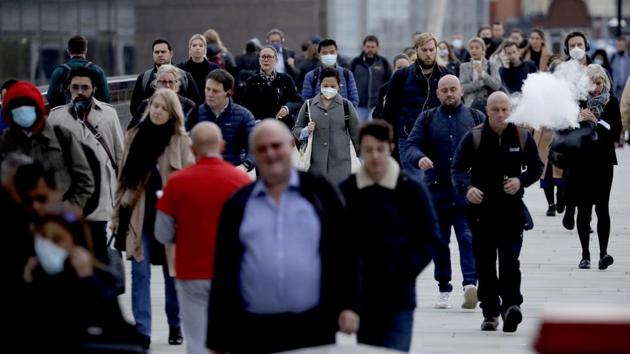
[(550, 277)]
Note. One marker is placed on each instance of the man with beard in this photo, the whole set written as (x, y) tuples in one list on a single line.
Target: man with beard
[(515, 74), (413, 90), (97, 126)]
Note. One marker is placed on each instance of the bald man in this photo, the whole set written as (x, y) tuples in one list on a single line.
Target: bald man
[(430, 147), (188, 216), (286, 268), (492, 166)]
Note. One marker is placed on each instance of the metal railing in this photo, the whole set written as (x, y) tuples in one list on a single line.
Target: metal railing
[(120, 90)]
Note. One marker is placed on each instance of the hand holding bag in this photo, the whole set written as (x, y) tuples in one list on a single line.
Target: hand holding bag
[(302, 156), (568, 144)]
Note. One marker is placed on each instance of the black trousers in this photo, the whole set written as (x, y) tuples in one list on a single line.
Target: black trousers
[(492, 241), (263, 334)]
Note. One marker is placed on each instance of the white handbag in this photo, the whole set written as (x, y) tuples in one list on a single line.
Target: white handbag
[(302, 156)]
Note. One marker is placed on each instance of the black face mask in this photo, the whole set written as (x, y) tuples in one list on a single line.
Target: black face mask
[(82, 105), (487, 41)]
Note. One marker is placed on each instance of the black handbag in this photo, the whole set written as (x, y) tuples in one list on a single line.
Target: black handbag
[(569, 144), (116, 267)]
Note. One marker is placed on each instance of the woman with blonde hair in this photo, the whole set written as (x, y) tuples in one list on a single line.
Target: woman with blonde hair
[(217, 53), (589, 178), (479, 77), (169, 77), (155, 148), (197, 64)]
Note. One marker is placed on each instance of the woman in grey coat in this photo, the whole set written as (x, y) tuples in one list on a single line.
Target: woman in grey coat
[(332, 132), (479, 77)]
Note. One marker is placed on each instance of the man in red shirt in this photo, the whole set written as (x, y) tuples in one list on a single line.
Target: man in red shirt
[(188, 216)]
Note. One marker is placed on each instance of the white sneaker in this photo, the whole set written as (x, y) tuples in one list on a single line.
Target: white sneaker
[(443, 301), (470, 297)]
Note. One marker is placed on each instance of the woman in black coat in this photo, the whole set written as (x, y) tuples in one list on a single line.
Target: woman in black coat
[(588, 182), (197, 64), (271, 94)]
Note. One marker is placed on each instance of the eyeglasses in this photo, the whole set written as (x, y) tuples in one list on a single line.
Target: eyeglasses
[(77, 87), (166, 82), (267, 57)]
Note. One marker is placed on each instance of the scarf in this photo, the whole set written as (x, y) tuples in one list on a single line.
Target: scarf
[(149, 143), (268, 78), (597, 103)]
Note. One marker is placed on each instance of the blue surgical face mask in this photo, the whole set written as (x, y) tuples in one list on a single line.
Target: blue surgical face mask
[(24, 116), (329, 59), (277, 47), (50, 256)]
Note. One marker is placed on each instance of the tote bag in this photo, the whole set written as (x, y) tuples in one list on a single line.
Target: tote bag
[(302, 155)]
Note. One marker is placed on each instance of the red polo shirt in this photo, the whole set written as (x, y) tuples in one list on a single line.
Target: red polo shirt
[(194, 197)]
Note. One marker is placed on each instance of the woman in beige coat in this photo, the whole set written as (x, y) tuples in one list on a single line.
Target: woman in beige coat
[(154, 149)]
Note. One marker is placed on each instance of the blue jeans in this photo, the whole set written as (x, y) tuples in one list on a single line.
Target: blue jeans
[(389, 329), (364, 114), (141, 292), (458, 219)]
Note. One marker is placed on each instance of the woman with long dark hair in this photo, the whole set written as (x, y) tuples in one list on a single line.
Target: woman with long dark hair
[(155, 148)]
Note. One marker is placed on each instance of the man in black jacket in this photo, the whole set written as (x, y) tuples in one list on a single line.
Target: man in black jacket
[(399, 231), (285, 268), (162, 54), (371, 71), (489, 169)]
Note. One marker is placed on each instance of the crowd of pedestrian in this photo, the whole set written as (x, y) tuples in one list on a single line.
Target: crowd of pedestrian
[(258, 256)]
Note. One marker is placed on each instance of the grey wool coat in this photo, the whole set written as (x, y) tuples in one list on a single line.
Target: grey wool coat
[(331, 150), (481, 87)]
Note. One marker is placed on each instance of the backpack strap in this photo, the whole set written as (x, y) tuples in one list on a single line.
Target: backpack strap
[(476, 134), (183, 80), (315, 79), (346, 115), (146, 77), (521, 132), (522, 138)]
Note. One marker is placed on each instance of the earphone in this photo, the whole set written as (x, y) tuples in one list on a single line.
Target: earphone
[(575, 34)]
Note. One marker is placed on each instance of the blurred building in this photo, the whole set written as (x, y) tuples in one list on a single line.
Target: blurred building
[(395, 21), (34, 34), (235, 21)]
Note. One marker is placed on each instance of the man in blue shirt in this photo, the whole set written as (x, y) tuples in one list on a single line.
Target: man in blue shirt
[(285, 268), (431, 147)]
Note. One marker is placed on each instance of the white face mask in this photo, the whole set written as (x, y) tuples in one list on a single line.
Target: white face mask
[(329, 59), (444, 53), (329, 92), (51, 256), (457, 43), (577, 53)]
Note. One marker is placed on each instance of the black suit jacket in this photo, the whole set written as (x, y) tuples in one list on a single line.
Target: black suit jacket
[(339, 263)]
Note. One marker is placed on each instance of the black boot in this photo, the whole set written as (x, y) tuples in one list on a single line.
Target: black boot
[(551, 211)]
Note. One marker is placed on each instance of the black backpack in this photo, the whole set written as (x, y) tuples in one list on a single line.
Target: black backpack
[(65, 138)]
